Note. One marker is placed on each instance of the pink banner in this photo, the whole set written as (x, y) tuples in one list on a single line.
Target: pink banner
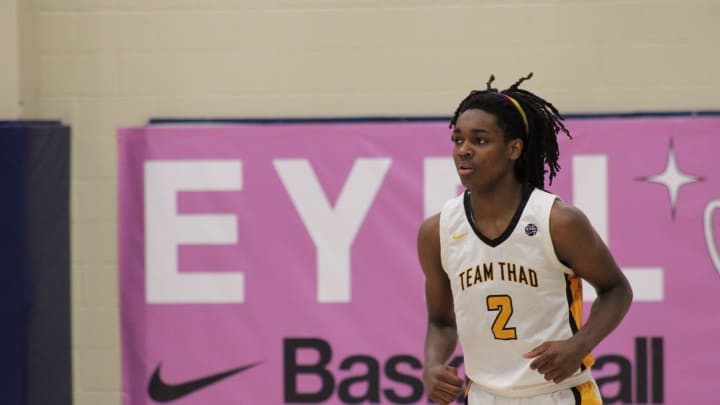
[(272, 264)]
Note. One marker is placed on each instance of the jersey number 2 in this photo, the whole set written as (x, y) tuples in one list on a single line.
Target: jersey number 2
[(502, 304)]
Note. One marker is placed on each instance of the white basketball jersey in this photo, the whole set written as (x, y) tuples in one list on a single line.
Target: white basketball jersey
[(510, 294)]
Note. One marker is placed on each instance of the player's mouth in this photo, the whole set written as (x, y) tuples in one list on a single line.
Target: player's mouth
[(465, 168)]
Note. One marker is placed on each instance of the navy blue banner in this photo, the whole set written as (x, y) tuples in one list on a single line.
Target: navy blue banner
[(35, 251)]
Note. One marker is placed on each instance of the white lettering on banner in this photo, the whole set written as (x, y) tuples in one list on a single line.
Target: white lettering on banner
[(165, 230), (332, 229), (709, 237), (590, 190), (440, 183), (590, 194)]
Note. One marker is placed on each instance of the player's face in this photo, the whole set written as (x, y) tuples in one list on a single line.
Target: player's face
[(482, 155)]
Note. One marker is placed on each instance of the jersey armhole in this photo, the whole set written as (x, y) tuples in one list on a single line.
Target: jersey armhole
[(549, 245)]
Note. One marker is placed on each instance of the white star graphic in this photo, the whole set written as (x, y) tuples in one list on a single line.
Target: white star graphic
[(672, 178)]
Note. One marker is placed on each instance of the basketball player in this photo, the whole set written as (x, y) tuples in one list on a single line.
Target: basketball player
[(504, 260)]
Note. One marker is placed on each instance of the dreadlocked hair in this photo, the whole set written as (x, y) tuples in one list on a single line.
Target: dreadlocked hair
[(544, 122)]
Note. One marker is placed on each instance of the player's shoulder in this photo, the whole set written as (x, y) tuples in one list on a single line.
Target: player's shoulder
[(567, 219), (449, 209), (430, 226), (428, 241)]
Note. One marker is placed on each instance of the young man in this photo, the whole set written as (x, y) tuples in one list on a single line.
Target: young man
[(503, 264)]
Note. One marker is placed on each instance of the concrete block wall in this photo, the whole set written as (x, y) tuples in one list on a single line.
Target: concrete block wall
[(101, 64), (9, 46)]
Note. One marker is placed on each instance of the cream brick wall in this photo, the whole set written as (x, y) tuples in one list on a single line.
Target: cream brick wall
[(102, 64), (9, 60)]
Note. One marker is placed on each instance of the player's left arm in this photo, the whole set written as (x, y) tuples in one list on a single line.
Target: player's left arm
[(579, 246)]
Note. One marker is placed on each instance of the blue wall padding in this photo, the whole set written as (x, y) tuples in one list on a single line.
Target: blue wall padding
[(35, 263)]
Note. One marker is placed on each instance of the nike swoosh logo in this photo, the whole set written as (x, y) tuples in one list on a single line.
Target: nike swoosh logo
[(160, 391), (458, 236)]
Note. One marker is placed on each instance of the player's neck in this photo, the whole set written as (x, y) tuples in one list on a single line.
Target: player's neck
[(498, 203)]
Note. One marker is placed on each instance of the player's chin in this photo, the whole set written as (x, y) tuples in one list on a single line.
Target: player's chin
[(466, 180)]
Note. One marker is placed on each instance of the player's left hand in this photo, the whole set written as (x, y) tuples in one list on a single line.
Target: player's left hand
[(556, 360)]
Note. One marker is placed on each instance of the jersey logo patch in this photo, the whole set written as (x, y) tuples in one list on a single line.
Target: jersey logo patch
[(457, 236), (530, 229)]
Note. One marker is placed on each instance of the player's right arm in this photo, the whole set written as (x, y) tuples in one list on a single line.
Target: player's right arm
[(441, 381)]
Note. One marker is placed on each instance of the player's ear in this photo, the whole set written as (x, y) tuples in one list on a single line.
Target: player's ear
[(515, 148)]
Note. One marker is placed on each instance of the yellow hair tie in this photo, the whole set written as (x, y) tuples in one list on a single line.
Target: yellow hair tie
[(522, 113)]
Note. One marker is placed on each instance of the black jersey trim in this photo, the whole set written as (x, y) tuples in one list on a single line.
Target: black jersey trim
[(576, 395), (527, 191), (568, 293)]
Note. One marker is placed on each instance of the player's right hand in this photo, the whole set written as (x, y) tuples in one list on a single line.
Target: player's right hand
[(443, 384)]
